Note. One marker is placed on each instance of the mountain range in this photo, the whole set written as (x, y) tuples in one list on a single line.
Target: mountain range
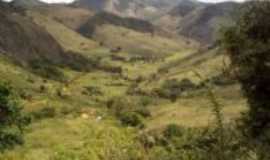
[(183, 18)]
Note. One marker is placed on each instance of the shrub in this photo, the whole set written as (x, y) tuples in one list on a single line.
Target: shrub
[(146, 100), (173, 130), (12, 120), (119, 105), (132, 119), (46, 70), (128, 113), (173, 88)]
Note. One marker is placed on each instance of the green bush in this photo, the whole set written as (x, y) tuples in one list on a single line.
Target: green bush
[(46, 70), (178, 143), (132, 119), (172, 89), (12, 120), (146, 100), (173, 130), (119, 105), (127, 112)]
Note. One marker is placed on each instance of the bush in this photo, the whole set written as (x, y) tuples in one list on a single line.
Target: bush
[(172, 89), (173, 130), (12, 120), (47, 70), (128, 113), (145, 101), (178, 143), (132, 119), (119, 105)]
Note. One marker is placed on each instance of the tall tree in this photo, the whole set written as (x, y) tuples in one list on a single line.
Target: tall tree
[(248, 45)]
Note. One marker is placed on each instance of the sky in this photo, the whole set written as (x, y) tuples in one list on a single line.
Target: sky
[(68, 1)]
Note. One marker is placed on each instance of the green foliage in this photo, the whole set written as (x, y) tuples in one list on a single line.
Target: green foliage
[(46, 70), (132, 119), (247, 43), (173, 130), (173, 88), (177, 142), (146, 100), (129, 113), (12, 120)]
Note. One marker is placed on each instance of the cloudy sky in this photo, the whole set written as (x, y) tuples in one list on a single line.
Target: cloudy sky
[(68, 1)]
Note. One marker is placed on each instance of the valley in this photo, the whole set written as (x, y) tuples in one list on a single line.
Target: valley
[(95, 83)]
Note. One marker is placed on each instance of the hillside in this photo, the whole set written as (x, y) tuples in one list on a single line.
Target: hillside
[(135, 36), (198, 21), (71, 17), (24, 40), (145, 9), (31, 46), (185, 7), (108, 18), (203, 23), (27, 3)]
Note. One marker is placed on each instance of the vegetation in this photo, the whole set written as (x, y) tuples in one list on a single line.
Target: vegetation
[(13, 121), (173, 88), (247, 43), (125, 94)]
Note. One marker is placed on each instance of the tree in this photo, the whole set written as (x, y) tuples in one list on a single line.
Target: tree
[(247, 43), (12, 120)]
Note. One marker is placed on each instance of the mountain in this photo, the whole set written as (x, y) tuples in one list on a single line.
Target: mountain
[(31, 46), (172, 18), (203, 23), (72, 17), (145, 9), (108, 18), (185, 7), (96, 5), (27, 3), (130, 35), (24, 40), (196, 20)]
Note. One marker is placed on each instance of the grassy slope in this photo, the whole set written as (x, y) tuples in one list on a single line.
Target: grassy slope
[(194, 110), (71, 17), (138, 43), (69, 39)]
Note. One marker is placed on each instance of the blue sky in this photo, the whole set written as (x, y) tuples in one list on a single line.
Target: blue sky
[(68, 1)]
